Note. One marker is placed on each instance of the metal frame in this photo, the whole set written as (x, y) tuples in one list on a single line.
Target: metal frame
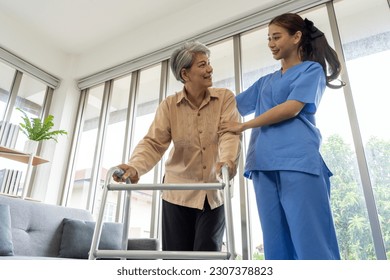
[(24, 66), (144, 254), (74, 149), (246, 234), (372, 211), (100, 143)]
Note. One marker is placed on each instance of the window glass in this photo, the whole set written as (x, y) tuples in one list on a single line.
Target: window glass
[(30, 98), (173, 84), (222, 61), (114, 143), (257, 61), (80, 190), (6, 77), (347, 200), (367, 50), (146, 105)]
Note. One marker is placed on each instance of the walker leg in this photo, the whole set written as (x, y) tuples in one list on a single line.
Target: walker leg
[(228, 214)]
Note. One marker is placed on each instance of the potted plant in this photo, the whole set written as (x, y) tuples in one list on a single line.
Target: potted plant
[(37, 130)]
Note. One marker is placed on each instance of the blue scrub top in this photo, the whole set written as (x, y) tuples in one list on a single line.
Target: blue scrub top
[(292, 144)]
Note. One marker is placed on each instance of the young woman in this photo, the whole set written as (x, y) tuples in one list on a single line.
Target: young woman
[(290, 178)]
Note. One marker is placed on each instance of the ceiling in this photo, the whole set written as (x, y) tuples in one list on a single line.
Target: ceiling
[(76, 26)]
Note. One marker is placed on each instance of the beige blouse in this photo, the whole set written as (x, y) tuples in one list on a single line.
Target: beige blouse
[(196, 145)]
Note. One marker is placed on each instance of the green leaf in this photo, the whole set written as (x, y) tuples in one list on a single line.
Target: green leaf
[(37, 130)]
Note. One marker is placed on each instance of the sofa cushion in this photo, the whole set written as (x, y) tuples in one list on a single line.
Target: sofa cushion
[(77, 238), (6, 245), (37, 226)]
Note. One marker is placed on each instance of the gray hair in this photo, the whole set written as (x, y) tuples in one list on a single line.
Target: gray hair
[(183, 57)]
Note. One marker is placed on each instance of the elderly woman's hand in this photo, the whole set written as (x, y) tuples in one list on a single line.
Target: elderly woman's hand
[(231, 168), (130, 172)]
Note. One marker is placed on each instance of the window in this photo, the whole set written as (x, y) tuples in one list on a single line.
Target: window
[(222, 61), (173, 84), (147, 100), (365, 33), (256, 62), (338, 152), (6, 77), (28, 94), (31, 98), (80, 191), (113, 143), (341, 119)]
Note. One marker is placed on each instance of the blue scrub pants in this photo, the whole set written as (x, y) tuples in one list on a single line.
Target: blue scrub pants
[(295, 215)]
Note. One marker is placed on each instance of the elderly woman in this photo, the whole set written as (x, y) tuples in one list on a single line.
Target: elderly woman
[(192, 220)]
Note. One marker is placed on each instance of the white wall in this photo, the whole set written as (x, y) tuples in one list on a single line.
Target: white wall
[(64, 109), (200, 17), (37, 50)]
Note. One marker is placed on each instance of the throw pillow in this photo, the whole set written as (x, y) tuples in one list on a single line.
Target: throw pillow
[(77, 238), (6, 245)]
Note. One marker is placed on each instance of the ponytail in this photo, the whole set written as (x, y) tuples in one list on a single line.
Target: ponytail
[(313, 45), (316, 48)]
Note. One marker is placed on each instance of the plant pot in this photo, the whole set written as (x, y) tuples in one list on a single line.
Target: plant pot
[(31, 147)]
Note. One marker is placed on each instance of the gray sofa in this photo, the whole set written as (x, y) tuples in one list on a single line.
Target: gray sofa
[(35, 230)]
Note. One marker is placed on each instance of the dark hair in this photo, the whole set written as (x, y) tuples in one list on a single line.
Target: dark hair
[(313, 45)]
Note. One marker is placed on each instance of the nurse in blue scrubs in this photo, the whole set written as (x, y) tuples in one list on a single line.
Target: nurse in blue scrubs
[(290, 178)]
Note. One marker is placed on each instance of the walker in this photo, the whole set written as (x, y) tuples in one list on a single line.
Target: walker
[(94, 253)]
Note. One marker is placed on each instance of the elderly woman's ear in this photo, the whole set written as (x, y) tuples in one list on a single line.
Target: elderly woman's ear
[(183, 74)]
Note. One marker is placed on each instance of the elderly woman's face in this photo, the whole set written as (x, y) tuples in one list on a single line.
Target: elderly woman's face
[(200, 73)]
